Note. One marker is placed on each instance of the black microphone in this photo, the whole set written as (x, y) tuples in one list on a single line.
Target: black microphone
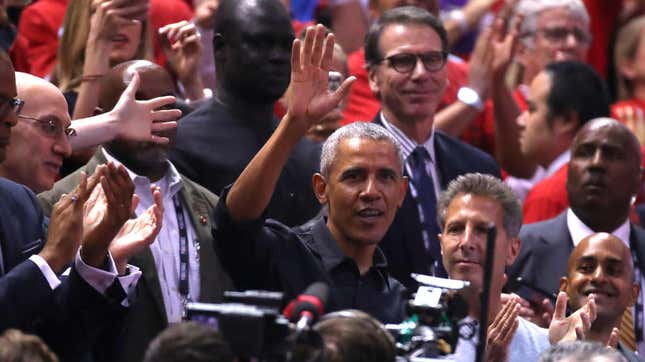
[(308, 306)]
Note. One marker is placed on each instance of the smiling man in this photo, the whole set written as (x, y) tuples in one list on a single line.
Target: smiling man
[(39, 142), (360, 181), (602, 264), (604, 174), (406, 51)]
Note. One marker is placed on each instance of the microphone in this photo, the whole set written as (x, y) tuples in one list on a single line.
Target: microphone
[(308, 306)]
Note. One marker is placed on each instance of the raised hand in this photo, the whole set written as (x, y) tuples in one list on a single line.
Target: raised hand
[(138, 120), (137, 234), (501, 331), (310, 99), (107, 209), (66, 226), (503, 41), (576, 325), (182, 45)]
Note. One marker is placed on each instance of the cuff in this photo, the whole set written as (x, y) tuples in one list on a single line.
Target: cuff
[(99, 279), (47, 271), (129, 283)]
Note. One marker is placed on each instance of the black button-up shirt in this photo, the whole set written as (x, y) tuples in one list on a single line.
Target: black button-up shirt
[(269, 255)]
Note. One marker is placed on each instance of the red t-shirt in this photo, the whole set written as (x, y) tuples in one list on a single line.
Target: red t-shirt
[(548, 198)]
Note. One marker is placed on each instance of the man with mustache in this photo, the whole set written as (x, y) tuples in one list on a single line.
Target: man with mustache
[(602, 264), (604, 174)]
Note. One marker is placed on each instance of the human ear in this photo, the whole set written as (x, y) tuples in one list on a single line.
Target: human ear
[(320, 188)]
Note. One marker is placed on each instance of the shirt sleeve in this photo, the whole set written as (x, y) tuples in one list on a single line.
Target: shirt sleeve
[(101, 279), (47, 271)]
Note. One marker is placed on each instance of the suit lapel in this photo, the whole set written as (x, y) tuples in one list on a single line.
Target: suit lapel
[(637, 239), (146, 262)]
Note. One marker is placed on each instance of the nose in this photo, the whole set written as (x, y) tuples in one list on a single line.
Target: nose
[(10, 119), (62, 146), (371, 190), (419, 69), (469, 238), (599, 274)]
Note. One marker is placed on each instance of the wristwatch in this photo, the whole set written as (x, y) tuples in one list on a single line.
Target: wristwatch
[(470, 97)]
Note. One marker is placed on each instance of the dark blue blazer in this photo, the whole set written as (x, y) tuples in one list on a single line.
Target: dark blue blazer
[(67, 318), (403, 245), (545, 251)]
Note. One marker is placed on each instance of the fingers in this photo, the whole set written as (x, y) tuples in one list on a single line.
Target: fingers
[(133, 87), (613, 338), (135, 203), (560, 306), (592, 310), (156, 103), (295, 55), (165, 115), (328, 52), (163, 126), (160, 140), (307, 48), (343, 90), (319, 41)]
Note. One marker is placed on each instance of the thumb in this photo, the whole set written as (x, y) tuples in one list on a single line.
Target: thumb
[(343, 90), (133, 87)]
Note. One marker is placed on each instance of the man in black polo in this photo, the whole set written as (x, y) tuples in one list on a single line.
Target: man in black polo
[(361, 182)]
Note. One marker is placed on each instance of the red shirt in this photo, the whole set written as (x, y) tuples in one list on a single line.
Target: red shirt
[(362, 105), (40, 23), (548, 198)]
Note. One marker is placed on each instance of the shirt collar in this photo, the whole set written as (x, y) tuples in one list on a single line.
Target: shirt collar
[(559, 161), (170, 183), (325, 245), (579, 230), (407, 144)]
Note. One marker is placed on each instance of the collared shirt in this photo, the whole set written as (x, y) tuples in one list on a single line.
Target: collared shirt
[(407, 147), (522, 186), (165, 248), (268, 255), (578, 231)]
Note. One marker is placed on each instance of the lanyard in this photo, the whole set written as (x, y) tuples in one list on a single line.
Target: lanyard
[(638, 307), (183, 249)]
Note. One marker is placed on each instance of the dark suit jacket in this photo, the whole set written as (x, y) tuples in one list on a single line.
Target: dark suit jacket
[(214, 145), (545, 251), (403, 244), (147, 315), (74, 311)]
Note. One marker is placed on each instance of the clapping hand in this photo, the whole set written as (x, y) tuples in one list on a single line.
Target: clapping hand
[(107, 209), (501, 331), (182, 45), (310, 99), (136, 234), (576, 325), (66, 225)]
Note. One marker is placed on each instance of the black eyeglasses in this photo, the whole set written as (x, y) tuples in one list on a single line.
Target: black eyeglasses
[(50, 127), (405, 62), (10, 104)]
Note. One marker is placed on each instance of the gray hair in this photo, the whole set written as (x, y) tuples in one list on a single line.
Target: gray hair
[(487, 186), (580, 351), (531, 10), (365, 130)]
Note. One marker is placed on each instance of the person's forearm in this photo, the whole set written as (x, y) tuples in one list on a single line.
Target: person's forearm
[(96, 65), (93, 131), (455, 119), (193, 87), (250, 194), (349, 24), (507, 143), (471, 15)]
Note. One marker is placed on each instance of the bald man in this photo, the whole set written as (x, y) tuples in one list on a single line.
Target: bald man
[(42, 137), (39, 142), (602, 264), (161, 295)]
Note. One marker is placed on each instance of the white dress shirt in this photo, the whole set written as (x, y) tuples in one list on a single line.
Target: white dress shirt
[(165, 248)]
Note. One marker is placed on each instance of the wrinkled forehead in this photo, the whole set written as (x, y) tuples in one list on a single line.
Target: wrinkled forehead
[(42, 99)]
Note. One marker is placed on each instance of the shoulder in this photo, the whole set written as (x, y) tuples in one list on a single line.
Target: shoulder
[(454, 150), (530, 338)]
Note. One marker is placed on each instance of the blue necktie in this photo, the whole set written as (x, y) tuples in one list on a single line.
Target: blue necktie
[(427, 199)]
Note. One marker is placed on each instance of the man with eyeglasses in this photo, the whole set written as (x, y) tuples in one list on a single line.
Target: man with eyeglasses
[(551, 31), (44, 135), (406, 53)]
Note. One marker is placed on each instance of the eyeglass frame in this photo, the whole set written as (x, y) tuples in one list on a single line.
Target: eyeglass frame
[(68, 132), (444, 57), (580, 35)]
